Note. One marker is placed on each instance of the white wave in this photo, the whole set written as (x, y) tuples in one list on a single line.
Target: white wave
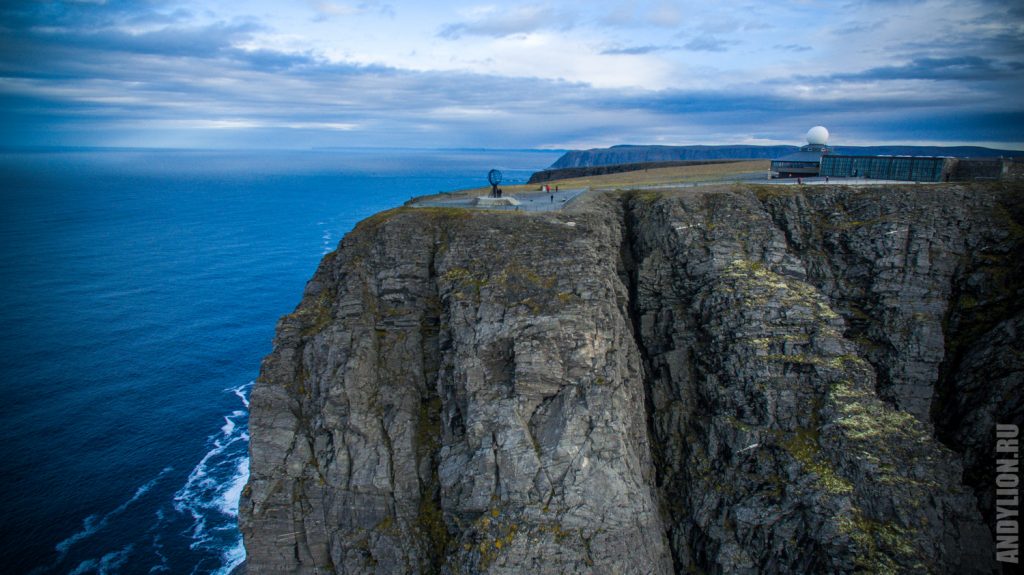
[(327, 245), (84, 567), (194, 497), (240, 392), (110, 563), (232, 558), (92, 525), (211, 493), (89, 527), (228, 501), (157, 548)]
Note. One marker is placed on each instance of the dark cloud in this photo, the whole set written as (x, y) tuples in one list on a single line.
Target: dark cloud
[(199, 41), (89, 15), (637, 50), (856, 27), (49, 31), (964, 125), (961, 68), (997, 42), (707, 44), (73, 74)]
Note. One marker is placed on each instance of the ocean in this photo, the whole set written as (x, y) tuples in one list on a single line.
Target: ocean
[(140, 290)]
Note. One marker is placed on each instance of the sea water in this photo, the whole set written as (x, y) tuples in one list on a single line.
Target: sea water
[(138, 292)]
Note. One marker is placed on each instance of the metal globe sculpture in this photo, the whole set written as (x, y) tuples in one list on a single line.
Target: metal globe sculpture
[(494, 178)]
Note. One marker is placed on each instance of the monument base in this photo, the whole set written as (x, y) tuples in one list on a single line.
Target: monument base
[(489, 202)]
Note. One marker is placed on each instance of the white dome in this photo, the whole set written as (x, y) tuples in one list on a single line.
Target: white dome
[(817, 135)]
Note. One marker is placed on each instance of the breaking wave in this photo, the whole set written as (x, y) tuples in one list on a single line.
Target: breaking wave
[(210, 494), (94, 524)]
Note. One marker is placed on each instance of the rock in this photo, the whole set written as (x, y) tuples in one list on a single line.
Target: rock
[(736, 380)]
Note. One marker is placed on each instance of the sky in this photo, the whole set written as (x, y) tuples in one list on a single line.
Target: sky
[(558, 75)]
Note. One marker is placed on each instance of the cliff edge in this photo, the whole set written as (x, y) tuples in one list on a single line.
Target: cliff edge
[(743, 379)]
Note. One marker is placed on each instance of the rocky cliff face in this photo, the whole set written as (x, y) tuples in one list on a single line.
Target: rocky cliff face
[(740, 380)]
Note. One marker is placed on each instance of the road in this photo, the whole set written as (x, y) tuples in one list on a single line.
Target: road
[(553, 201), (528, 201)]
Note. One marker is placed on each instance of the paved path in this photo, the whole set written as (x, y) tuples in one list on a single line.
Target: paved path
[(746, 177), (843, 181), (553, 201), (528, 201), (760, 178)]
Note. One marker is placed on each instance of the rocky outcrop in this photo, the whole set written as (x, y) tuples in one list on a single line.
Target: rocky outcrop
[(737, 380)]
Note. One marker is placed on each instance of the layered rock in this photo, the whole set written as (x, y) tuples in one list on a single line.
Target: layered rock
[(739, 380)]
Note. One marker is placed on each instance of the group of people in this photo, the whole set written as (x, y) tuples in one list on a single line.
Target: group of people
[(547, 189)]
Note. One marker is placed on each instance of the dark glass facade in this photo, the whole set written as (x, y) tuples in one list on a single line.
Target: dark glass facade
[(909, 168), (799, 164)]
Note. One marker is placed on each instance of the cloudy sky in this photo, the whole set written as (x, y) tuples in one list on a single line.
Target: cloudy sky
[(455, 73)]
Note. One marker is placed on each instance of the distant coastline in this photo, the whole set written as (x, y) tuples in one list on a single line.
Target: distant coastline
[(631, 154)]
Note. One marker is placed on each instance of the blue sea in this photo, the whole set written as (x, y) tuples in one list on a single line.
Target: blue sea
[(140, 289)]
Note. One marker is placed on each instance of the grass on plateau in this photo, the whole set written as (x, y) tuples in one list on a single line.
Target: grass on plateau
[(627, 180)]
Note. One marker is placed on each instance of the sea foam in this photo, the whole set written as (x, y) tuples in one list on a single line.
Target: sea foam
[(212, 490)]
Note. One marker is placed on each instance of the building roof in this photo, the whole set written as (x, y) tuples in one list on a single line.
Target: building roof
[(800, 157), (808, 153)]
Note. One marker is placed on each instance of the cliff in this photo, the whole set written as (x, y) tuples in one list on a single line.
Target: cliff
[(628, 154), (734, 380)]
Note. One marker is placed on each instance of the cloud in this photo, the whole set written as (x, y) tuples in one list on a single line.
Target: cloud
[(636, 50), (706, 44), (202, 41), (326, 10), (665, 15), (90, 15), (631, 15), (497, 23), (135, 74), (989, 40), (962, 68), (856, 27)]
